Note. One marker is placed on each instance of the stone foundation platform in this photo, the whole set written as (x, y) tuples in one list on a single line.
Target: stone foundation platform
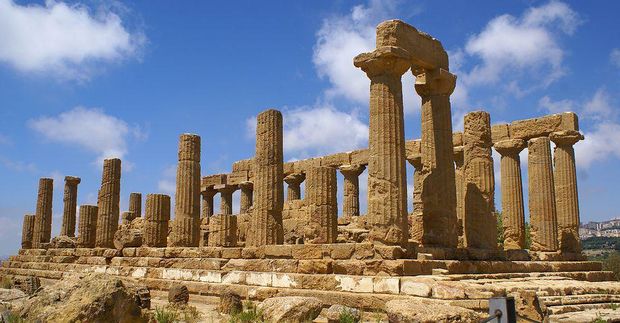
[(360, 275)]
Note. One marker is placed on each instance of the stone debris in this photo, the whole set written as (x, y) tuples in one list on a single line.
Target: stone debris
[(425, 311), (333, 313), (230, 303), (89, 298), (60, 242), (178, 294), (290, 309), (27, 284)]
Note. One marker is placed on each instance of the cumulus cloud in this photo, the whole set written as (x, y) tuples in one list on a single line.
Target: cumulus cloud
[(600, 144), (322, 130), (614, 57), (546, 104), (64, 40), (341, 38), (90, 129), (167, 184), (509, 44)]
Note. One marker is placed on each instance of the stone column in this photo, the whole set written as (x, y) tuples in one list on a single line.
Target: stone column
[(42, 232), (87, 226), (186, 224), (222, 231), (513, 212), (226, 200), (156, 219), (70, 206), (479, 222), (127, 217), (438, 178), (135, 204), (109, 199), (266, 220), (543, 216), (322, 206), (566, 196), (351, 203), (27, 231), (387, 191), (416, 223), (207, 202), (459, 182), (246, 197), (293, 182)]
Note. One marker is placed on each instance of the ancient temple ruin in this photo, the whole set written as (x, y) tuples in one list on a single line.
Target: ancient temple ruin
[(281, 243)]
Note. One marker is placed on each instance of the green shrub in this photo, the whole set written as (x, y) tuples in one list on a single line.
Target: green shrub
[(346, 316), (612, 263), (14, 318), (249, 314), (165, 315), (6, 283)]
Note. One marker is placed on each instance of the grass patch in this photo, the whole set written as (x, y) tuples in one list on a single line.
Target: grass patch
[(13, 318), (347, 316), (6, 283), (165, 315), (249, 314)]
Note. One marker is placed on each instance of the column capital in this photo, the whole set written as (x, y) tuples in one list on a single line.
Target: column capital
[(566, 137), (295, 178), (509, 146), (352, 170), (435, 82), (459, 154), (225, 188), (208, 192), (246, 185), (384, 60), (416, 161), (72, 180)]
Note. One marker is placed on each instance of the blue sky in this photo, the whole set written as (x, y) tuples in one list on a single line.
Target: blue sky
[(81, 81)]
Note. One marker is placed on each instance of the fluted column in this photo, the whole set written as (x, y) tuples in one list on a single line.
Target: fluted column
[(416, 222), (513, 212), (566, 195), (387, 191), (70, 206), (293, 183), (87, 226), (479, 223), (186, 224), (438, 178), (543, 216), (156, 219), (27, 231), (42, 232), (266, 221), (351, 189), (207, 202), (135, 204), (459, 182), (108, 203), (222, 231), (245, 201), (322, 206), (226, 200)]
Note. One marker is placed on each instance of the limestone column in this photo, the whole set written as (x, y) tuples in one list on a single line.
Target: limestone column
[(322, 206), (293, 182), (42, 231), (186, 224), (70, 206), (135, 204), (266, 220), (416, 227), (156, 219), (513, 212), (387, 191), (460, 192), (27, 231), (543, 216), (207, 202), (226, 200), (566, 196), (108, 203), (87, 226), (222, 231), (351, 202), (479, 222), (438, 177), (246, 197)]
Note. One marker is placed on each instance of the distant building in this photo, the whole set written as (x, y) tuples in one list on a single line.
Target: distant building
[(610, 228)]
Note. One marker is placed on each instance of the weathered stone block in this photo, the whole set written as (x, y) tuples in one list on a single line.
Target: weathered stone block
[(354, 284), (314, 266), (364, 251), (342, 250), (387, 285), (278, 251), (307, 251), (409, 286), (231, 253)]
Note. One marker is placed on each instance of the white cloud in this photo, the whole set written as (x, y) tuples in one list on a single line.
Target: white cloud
[(599, 107), (18, 166), (546, 104), (322, 130), (88, 128), (509, 44), (64, 40), (600, 144), (614, 57), (167, 184), (341, 38)]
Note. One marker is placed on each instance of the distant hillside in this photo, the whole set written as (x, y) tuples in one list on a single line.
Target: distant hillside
[(611, 243)]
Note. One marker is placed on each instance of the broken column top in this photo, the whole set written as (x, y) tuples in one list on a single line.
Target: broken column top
[(73, 179), (425, 51)]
